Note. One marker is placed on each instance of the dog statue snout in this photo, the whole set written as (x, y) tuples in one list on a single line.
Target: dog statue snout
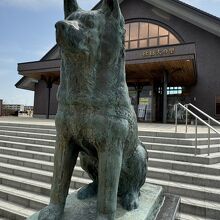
[(60, 25)]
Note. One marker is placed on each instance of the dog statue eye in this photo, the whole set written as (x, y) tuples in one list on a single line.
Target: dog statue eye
[(90, 24)]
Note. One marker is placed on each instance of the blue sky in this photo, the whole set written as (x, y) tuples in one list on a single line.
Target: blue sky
[(27, 33)]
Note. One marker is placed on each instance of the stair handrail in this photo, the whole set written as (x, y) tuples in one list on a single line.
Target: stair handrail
[(203, 113), (196, 125)]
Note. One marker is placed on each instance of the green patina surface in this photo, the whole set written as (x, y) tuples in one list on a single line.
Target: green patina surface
[(95, 119)]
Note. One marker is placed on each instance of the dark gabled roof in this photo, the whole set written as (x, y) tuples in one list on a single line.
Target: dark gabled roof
[(190, 14), (177, 8), (26, 83), (200, 18), (186, 12), (50, 52), (198, 10)]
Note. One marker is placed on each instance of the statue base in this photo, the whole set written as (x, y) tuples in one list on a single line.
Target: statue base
[(152, 200)]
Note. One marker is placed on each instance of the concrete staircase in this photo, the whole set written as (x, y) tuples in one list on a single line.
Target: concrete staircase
[(26, 164)]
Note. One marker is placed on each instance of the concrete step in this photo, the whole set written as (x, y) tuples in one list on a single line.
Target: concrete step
[(38, 145), (26, 146), (28, 134), (200, 159), (29, 185), (14, 211), (23, 198), (188, 190), (179, 141), (200, 207), (28, 129), (78, 172), (28, 140), (27, 154), (39, 175), (185, 166), (38, 164), (22, 183), (184, 177), (184, 216), (26, 162), (27, 125), (175, 135), (201, 149)]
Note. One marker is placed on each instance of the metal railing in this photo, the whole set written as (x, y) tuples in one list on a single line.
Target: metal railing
[(203, 113), (186, 108)]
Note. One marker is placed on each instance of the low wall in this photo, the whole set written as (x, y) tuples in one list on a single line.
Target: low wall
[(43, 116)]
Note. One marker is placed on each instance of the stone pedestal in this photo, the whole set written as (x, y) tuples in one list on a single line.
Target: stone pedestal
[(151, 200)]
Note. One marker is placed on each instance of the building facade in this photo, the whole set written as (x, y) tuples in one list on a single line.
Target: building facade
[(14, 107), (172, 52)]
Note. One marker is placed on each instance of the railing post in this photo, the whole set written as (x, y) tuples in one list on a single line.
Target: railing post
[(209, 138), (196, 134), (186, 119), (175, 107)]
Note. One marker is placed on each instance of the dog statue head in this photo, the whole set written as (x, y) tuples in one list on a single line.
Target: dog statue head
[(92, 34)]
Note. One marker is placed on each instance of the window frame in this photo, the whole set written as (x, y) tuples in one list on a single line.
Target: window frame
[(148, 38)]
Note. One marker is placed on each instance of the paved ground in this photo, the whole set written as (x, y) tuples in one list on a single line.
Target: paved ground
[(27, 120), (142, 126), (171, 128)]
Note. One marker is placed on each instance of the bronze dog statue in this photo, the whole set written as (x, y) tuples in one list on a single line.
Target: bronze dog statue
[(95, 119)]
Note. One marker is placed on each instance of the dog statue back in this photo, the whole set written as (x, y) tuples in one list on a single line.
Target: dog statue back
[(95, 119)]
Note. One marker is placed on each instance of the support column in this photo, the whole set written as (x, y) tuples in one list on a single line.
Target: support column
[(48, 103), (165, 81), (49, 86), (49, 82)]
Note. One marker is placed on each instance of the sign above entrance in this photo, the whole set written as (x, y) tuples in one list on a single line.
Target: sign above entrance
[(159, 52)]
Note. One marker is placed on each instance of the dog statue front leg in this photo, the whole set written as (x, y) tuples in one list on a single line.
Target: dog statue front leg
[(109, 173), (66, 154)]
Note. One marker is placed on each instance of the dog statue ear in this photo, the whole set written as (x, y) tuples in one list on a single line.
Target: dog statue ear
[(70, 6), (111, 6)]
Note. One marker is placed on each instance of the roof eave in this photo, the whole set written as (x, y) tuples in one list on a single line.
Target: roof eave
[(187, 13), (26, 83)]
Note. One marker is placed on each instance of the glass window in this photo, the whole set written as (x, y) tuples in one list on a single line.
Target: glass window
[(127, 32), (145, 34), (163, 41), (134, 31), (163, 31), (126, 45), (153, 30), (174, 90), (143, 30), (133, 44), (143, 43), (173, 39), (153, 42)]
